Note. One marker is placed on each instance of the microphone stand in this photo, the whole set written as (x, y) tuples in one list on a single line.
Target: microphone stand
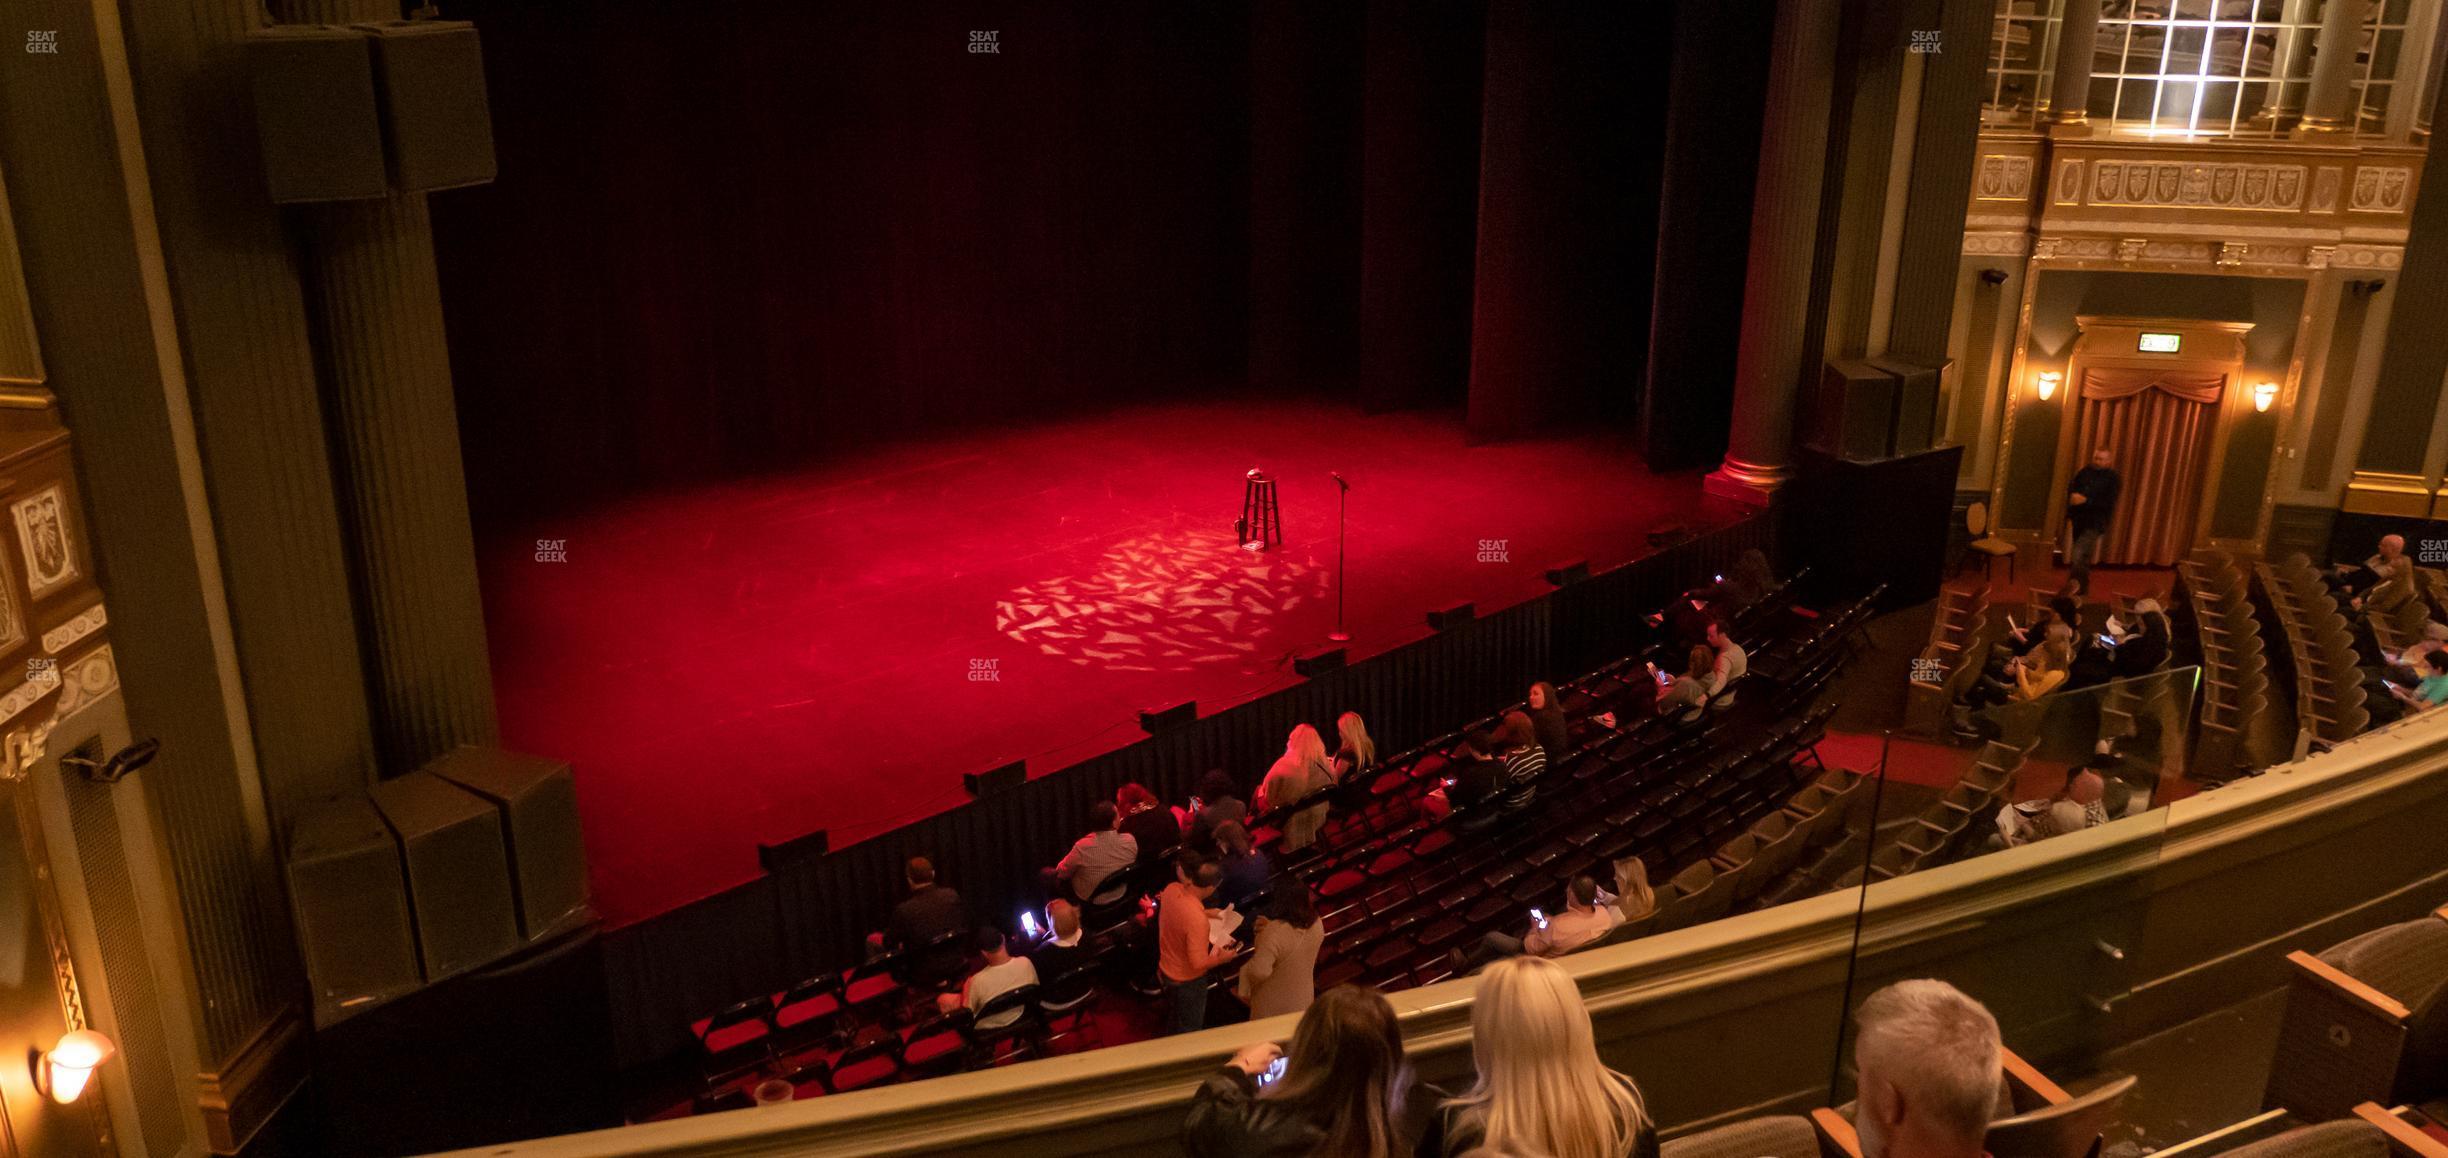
[(1342, 529)]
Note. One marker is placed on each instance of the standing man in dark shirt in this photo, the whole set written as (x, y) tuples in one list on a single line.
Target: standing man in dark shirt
[(2090, 503), (929, 912)]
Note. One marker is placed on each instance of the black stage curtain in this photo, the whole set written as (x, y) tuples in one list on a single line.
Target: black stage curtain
[(1572, 118), (1420, 197), (736, 235), (1711, 155), (814, 915)]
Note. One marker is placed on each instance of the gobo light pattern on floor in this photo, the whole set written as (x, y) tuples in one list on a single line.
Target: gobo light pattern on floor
[(1173, 601)]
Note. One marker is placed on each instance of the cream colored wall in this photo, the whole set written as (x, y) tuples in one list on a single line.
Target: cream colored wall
[(2199, 902)]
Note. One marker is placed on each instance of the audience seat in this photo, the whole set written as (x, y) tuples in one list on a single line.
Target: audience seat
[(874, 1062), (1777, 1136), (737, 1039), (2357, 1014)]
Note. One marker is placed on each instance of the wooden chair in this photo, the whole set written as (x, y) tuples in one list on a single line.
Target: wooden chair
[(1988, 546), (1775, 1136), (2039, 1119), (2405, 1139)]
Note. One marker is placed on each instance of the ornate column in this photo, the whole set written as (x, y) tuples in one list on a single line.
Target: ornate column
[(2390, 476), (2069, 104), (1769, 359), (378, 313), (2333, 56)]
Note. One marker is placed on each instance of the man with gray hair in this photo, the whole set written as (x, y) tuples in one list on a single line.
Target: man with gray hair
[(1928, 1058)]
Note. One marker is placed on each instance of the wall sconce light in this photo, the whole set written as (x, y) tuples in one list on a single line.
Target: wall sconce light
[(2264, 393), (68, 1068), (2048, 382)]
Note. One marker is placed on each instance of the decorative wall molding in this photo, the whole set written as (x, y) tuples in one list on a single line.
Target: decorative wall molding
[(2325, 190), (2017, 244), (2191, 184), (2003, 177), (2380, 189), (2368, 256), (85, 623), (25, 695), (2069, 183), (88, 679)]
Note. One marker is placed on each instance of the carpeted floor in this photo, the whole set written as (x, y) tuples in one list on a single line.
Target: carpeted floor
[(834, 648)]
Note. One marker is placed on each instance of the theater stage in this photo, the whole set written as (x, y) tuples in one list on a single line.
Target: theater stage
[(833, 648)]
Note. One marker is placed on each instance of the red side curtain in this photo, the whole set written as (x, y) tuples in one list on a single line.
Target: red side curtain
[(2157, 424)]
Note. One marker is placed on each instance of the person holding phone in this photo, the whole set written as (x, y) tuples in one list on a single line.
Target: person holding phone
[(1588, 915), (1687, 695), (2433, 690), (1344, 1090)]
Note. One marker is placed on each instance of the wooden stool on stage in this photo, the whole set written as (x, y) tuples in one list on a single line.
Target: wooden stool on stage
[(1261, 524)]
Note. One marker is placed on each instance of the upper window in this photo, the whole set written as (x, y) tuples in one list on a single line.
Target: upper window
[(2203, 67)]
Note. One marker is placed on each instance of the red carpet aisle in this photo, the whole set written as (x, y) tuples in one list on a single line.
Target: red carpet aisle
[(833, 648)]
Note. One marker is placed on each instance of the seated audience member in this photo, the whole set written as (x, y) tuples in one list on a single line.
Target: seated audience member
[(1185, 953), (1524, 760), (1105, 851), (2082, 803), (1217, 801), (1547, 726), (1930, 1065), (1473, 779), (1541, 1088), (2382, 566), (1634, 898), (1061, 951), (1588, 915), (2021, 638), (1686, 696), (1001, 974), (1355, 753), (1300, 773), (2394, 590), (1346, 1090), (2433, 690), (2028, 678), (2405, 667), (1731, 663), (1151, 825), (1245, 868), (2145, 647), (1281, 975), (1740, 589), (930, 912)]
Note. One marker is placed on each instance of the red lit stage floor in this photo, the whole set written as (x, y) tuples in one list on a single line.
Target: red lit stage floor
[(833, 648)]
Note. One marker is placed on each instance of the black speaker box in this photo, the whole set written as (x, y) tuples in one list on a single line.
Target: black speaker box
[(798, 850), (1454, 616), (538, 802), (1001, 779), (1569, 573), (458, 865), (439, 130), (1859, 524), (521, 1048), (1853, 410), (1916, 406), (317, 119), (1312, 664), (351, 907), (1180, 715)]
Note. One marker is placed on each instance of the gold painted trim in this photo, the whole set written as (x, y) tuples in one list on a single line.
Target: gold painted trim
[(2373, 492), (2439, 505)]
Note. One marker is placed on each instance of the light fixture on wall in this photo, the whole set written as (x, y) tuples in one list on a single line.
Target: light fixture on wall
[(2264, 393), (68, 1068), (2048, 383)]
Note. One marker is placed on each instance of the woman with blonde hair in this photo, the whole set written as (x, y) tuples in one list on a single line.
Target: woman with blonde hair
[(1300, 773), (1357, 752), (1541, 1088)]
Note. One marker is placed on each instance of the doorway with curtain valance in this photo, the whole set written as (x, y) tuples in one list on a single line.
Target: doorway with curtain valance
[(2162, 418)]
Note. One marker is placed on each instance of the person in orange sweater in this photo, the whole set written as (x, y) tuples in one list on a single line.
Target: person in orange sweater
[(1184, 954)]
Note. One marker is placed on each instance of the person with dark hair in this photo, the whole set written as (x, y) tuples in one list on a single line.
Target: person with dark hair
[(1001, 974), (1216, 801), (1740, 589), (1517, 745), (1281, 974), (1245, 868), (1472, 778), (1346, 1090), (2090, 504), (1547, 720), (1096, 857), (929, 912), (1151, 825), (1185, 952), (2433, 690)]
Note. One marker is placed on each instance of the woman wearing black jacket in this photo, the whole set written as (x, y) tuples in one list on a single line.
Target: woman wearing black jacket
[(1346, 1091)]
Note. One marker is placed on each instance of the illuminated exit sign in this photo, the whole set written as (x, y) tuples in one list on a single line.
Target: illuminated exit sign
[(2162, 343)]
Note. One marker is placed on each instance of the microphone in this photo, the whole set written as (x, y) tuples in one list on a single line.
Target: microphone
[(1339, 480)]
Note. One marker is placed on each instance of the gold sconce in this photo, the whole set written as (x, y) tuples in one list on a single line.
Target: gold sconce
[(2047, 384), (65, 1071), (2263, 394)]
